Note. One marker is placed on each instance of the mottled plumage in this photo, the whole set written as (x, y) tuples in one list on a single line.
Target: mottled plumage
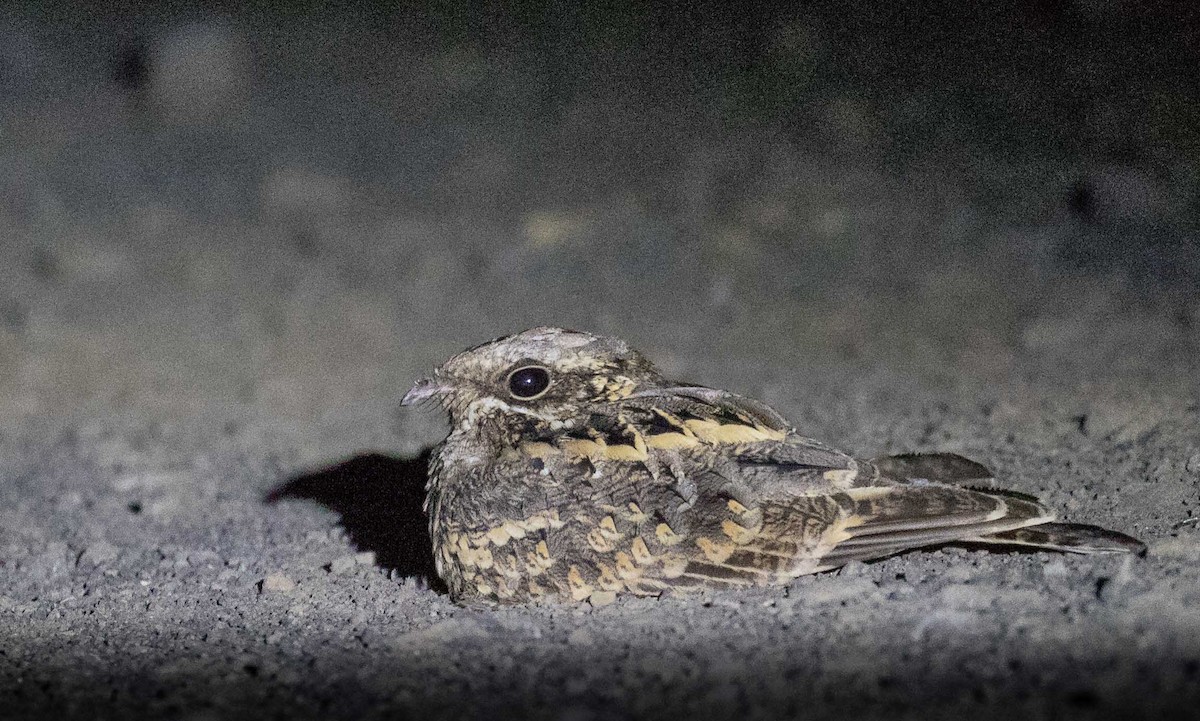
[(574, 471)]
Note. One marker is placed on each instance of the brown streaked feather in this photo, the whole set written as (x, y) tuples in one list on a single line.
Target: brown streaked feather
[(821, 532), (756, 411), (808, 519), (937, 467), (611, 479), (1065, 537), (904, 517), (840, 556), (893, 510), (724, 572)]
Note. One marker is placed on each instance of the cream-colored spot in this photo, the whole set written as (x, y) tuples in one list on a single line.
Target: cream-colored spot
[(639, 441), (837, 532), (615, 388), (608, 579), (666, 535), (539, 560), (598, 541), (641, 552), (498, 536), (483, 558), (714, 551), (736, 533), (537, 522), (538, 449), (580, 589), (673, 567), (583, 448), (625, 566), (503, 590), (668, 441), (868, 492), (714, 432), (841, 477), (622, 452)]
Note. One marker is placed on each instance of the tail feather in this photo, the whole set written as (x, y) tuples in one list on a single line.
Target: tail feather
[(890, 519), (1066, 537), (1029, 523)]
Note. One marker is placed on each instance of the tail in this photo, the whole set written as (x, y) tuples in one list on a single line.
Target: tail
[(1049, 535), (1066, 537)]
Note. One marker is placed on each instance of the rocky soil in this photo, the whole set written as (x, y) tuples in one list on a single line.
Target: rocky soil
[(231, 241)]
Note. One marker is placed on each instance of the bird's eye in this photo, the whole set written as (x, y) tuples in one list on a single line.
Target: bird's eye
[(528, 382)]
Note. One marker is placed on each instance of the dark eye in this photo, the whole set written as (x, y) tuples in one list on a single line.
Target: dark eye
[(528, 382)]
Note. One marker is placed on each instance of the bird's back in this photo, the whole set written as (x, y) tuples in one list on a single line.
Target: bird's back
[(692, 489), (576, 471)]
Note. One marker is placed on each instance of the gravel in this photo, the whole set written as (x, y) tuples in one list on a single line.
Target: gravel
[(232, 242)]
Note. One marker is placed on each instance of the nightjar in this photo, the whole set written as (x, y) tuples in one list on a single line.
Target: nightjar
[(574, 471)]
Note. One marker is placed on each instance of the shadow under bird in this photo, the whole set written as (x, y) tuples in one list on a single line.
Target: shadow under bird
[(574, 471)]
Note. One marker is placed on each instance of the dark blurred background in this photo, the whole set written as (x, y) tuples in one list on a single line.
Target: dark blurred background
[(235, 203)]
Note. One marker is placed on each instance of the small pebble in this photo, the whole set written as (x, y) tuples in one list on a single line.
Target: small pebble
[(343, 564), (277, 583)]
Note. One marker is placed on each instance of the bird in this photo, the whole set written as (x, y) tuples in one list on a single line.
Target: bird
[(575, 472)]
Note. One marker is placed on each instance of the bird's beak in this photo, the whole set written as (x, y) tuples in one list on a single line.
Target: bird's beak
[(424, 389)]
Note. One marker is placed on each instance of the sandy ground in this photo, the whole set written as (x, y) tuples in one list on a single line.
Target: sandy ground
[(231, 242)]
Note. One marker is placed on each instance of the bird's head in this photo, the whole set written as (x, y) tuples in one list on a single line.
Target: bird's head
[(542, 375)]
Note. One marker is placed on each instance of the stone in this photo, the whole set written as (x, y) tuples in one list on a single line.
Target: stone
[(276, 583)]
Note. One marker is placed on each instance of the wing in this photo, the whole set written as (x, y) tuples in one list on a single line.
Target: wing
[(777, 540), (703, 421), (772, 505), (656, 487), (690, 487), (681, 432)]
